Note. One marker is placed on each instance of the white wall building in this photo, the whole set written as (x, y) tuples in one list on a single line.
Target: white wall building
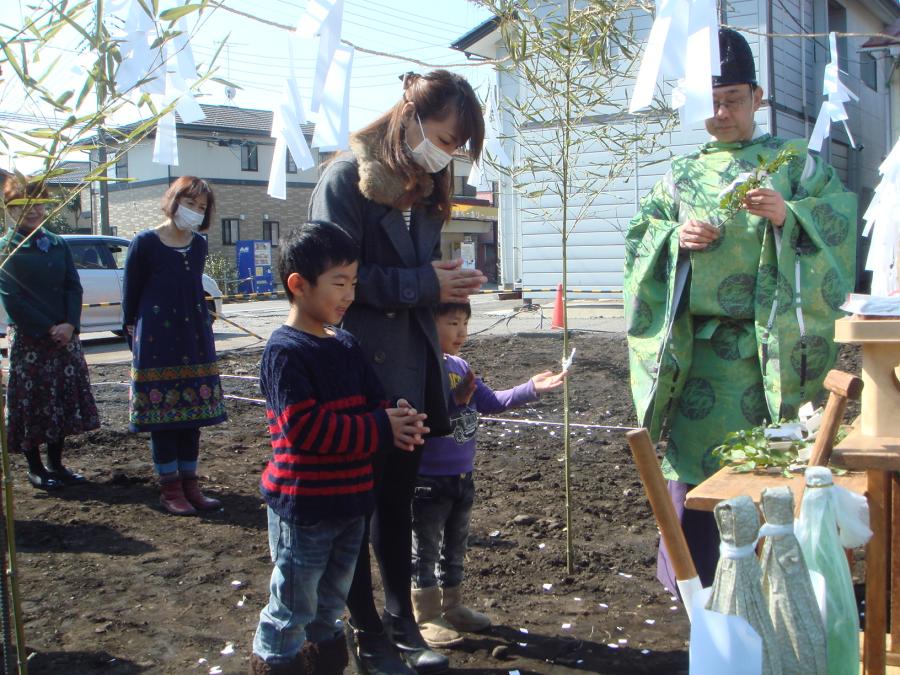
[(790, 71)]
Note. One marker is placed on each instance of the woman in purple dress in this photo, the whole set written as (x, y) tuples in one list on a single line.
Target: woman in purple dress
[(175, 388)]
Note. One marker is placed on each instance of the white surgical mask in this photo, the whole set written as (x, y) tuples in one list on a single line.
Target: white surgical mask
[(186, 219), (427, 155)]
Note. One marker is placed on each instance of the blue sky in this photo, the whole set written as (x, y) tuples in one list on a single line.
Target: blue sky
[(256, 55)]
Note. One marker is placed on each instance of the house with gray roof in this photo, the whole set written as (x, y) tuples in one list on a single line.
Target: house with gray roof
[(232, 149)]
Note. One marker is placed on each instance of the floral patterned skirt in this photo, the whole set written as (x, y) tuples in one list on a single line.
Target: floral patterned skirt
[(49, 392), (175, 397)]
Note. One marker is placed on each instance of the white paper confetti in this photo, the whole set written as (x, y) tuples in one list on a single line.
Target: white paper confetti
[(215, 670), (228, 650), (495, 533), (627, 576), (645, 652), (547, 587), (240, 603), (523, 630), (567, 626), (623, 641), (649, 622), (542, 546), (603, 605), (613, 645), (237, 583)]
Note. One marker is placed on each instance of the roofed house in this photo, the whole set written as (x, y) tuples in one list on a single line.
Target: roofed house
[(232, 149)]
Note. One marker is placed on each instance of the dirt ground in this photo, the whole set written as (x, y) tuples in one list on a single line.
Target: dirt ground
[(111, 584)]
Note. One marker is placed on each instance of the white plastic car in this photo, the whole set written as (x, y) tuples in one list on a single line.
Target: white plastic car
[(100, 261)]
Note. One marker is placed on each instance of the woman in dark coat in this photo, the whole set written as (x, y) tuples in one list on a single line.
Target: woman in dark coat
[(391, 192), (49, 395), (175, 388)]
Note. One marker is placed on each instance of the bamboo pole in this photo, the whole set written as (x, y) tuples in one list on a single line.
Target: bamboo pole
[(11, 568), (238, 326)]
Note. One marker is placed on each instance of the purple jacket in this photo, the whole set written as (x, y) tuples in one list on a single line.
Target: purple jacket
[(455, 454)]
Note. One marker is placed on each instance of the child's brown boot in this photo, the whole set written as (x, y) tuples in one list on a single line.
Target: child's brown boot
[(260, 667), (458, 615), (427, 610), (198, 500), (328, 657), (172, 496)]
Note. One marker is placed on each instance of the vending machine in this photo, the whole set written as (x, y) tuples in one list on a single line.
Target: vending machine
[(254, 266)]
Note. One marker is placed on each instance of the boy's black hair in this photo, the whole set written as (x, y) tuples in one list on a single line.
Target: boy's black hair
[(449, 307), (312, 249)]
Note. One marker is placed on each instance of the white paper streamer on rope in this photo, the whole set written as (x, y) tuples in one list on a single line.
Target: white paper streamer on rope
[(165, 148), (333, 121), (492, 133), (287, 119), (883, 226), (832, 110), (179, 68), (683, 45), (322, 18), (139, 62)]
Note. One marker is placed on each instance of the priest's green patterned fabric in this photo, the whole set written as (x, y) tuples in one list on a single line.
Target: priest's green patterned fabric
[(750, 338)]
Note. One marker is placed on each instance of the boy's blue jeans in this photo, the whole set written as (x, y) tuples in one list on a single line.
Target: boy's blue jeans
[(314, 566), (441, 508)]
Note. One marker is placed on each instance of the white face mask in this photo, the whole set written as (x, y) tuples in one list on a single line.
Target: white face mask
[(186, 219), (427, 155)]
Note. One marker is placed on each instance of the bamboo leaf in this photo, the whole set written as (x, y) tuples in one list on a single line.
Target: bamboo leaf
[(177, 12)]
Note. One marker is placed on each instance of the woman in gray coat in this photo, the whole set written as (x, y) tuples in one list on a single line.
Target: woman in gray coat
[(392, 192)]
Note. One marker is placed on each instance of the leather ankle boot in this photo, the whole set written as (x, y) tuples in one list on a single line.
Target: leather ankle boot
[(374, 654), (172, 497), (404, 633), (57, 471), (198, 500), (38, 476)]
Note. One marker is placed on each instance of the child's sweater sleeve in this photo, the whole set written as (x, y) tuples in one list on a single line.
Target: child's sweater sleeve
[(487, 401), (300, 424)]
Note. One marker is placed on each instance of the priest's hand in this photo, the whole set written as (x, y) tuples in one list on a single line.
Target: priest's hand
[(766, 203), (695, 235)]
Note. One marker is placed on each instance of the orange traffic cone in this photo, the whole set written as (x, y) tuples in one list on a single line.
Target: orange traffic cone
[(558, 308)]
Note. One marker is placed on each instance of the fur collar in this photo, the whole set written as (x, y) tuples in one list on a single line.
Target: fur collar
[(376, 181)]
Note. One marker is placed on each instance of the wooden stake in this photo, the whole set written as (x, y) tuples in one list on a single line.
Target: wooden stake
[(661, 503)]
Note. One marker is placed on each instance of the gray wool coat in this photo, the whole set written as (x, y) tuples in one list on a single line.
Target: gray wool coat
[(392, 315)]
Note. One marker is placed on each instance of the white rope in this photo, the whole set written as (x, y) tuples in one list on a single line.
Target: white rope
[(773, 530), (240, 377), (732, 552), (556, 424)]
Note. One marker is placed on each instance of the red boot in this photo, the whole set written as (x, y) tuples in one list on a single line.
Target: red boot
[(197, 499), (172, 498)]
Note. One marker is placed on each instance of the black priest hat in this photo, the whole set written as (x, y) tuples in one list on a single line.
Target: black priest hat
[(736, 59)]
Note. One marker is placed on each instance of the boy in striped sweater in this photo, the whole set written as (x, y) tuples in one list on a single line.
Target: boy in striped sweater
[(327, 421)]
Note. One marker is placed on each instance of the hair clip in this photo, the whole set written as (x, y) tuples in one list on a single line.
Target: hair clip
[(406, 77)]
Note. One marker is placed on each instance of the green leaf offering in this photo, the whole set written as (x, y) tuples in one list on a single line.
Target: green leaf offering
[(733, 201)]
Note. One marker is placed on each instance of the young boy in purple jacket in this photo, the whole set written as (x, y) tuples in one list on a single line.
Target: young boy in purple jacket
[(445, 490)]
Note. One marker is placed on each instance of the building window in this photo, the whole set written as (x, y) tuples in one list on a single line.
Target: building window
[(290, 167), (272, 231), (868, 70), (231, 230), (249, 157), (122, 165), (461, 187)]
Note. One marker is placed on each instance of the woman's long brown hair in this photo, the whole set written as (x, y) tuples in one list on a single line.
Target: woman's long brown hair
[(434, 95)]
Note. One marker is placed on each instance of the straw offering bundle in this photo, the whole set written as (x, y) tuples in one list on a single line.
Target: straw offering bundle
[(737, 588), (788, 590)]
